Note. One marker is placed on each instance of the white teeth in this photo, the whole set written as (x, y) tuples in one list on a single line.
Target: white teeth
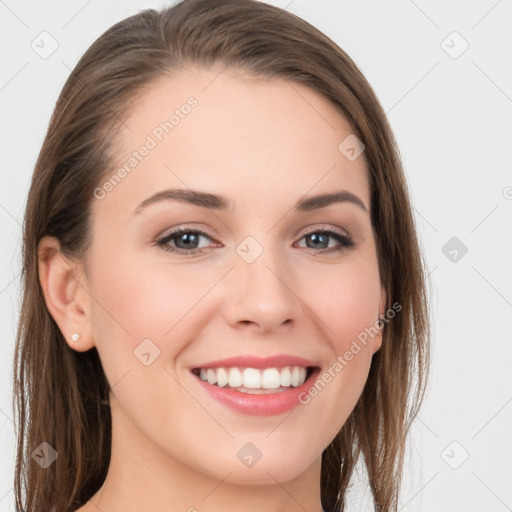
[(254, 378), (286, 377), (298, 376), (295, 376), (211, 376), (235, 378), (222, 377), (270, 379)]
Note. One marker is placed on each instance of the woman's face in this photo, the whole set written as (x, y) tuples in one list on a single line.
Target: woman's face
[(258, 278)]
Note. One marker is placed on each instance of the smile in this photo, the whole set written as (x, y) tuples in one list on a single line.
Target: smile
[(255, 380), (258, 386)]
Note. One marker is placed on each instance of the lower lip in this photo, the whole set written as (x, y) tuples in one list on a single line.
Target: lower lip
[(258, 404)]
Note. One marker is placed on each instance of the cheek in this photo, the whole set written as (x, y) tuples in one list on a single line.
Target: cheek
[(143, 316), (349, 304), (137, 321), (348, 308), (135, 300)]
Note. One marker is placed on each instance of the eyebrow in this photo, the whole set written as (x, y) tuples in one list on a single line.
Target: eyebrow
[(219, 202)]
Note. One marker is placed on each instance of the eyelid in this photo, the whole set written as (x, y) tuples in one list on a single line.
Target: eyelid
[(344, 240), (185, 227), (313, 228), (320, 227)]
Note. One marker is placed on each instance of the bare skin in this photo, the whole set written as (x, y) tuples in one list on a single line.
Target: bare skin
[(264, 145)]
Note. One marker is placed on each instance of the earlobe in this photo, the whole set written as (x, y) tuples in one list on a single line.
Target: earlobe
[(65, 297)]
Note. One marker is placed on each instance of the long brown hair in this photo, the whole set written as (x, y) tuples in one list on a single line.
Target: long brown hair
[(61, 395)]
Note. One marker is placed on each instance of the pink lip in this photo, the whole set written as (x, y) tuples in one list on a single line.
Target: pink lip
[(259, 405), (276, 361)]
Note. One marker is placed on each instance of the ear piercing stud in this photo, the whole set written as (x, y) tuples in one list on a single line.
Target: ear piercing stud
[(75, 336)]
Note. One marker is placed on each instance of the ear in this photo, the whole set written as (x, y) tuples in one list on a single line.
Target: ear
[(65, 293), (377, 339)]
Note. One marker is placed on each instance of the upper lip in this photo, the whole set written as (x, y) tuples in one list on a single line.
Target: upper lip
[(249, 361)]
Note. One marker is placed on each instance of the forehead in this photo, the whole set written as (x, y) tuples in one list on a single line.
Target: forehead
[(246, 137)]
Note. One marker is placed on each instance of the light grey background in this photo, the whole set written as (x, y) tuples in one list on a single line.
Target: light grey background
[(452, 116)]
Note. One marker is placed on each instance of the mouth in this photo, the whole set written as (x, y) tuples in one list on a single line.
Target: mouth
[(256, 381), (255, 385)]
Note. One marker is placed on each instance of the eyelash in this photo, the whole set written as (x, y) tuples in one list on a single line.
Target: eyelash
[(345, 241)]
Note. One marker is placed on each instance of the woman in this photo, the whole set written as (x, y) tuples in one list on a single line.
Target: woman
[(224, 298)]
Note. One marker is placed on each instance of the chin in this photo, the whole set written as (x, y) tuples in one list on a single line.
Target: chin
[(267, 474), (274, 465)]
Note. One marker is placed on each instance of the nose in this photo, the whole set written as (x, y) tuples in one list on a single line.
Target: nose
[(261, 297)]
